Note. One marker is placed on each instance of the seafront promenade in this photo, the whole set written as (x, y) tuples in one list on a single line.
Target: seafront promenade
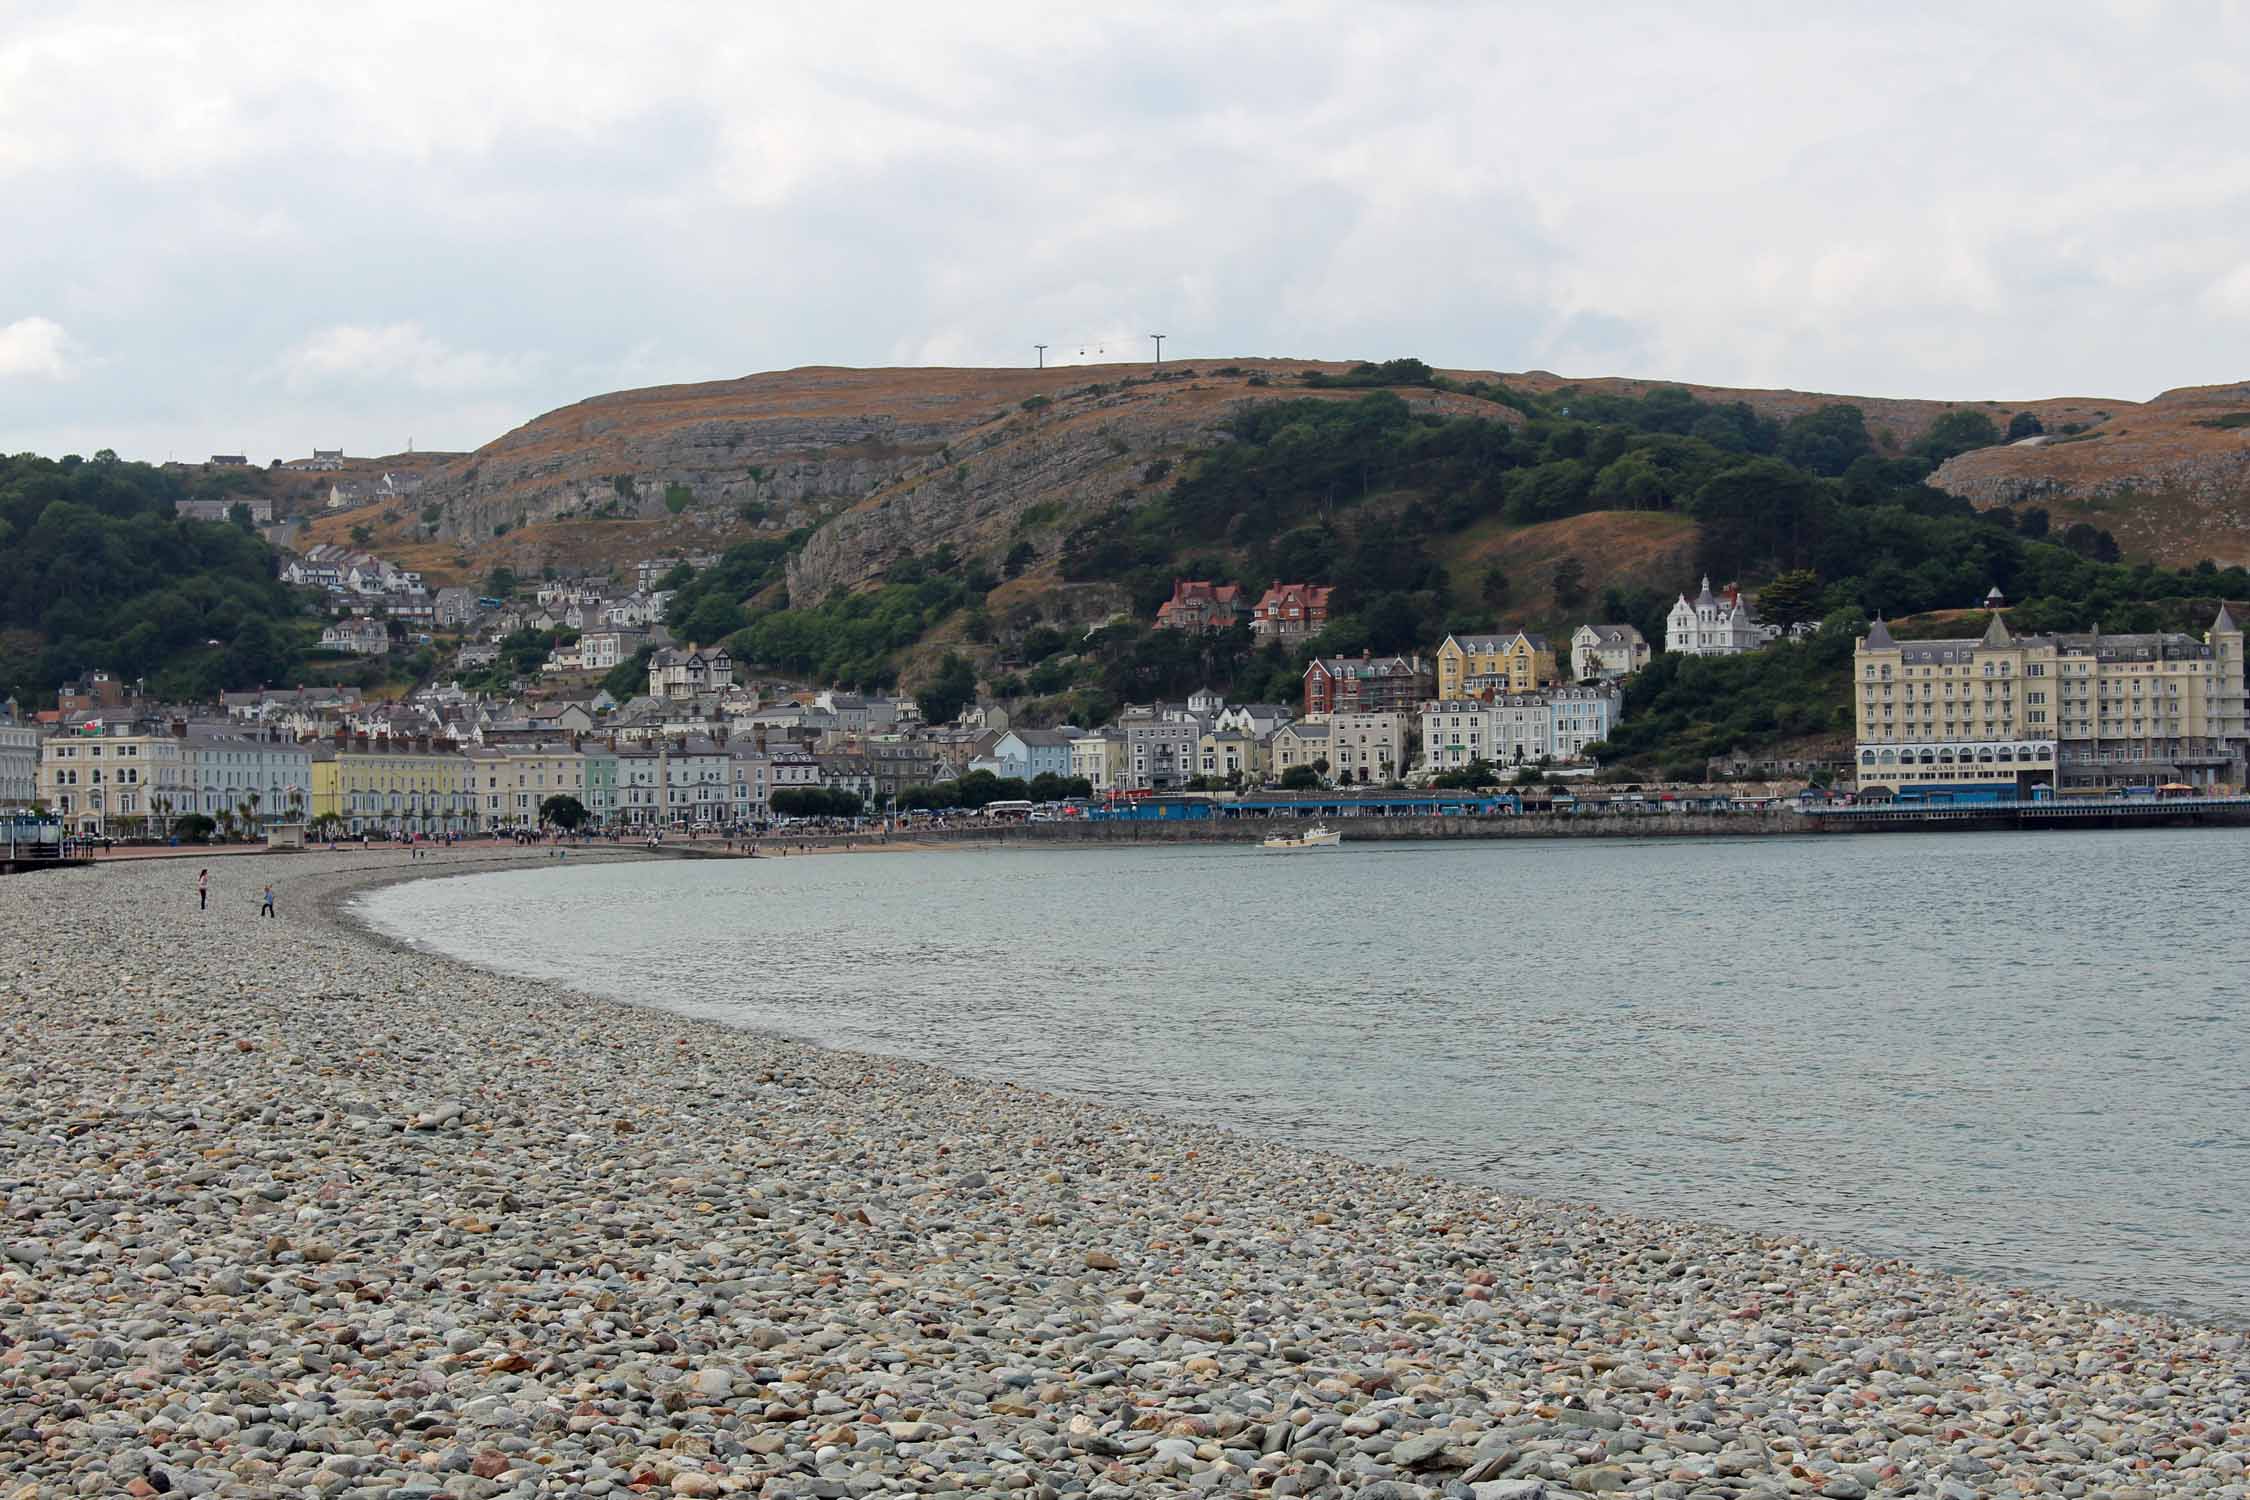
[(285, 1210)]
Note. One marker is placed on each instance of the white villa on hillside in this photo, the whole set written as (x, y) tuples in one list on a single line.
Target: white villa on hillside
[(1714, 625)]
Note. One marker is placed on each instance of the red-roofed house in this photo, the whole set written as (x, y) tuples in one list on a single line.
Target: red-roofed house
[(1200, 607), (1291, 612)]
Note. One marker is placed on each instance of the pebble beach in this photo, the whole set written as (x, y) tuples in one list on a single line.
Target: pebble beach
[(288, 1210)]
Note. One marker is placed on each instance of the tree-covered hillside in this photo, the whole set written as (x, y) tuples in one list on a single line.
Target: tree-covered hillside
[(1381, 497), (95, 571)]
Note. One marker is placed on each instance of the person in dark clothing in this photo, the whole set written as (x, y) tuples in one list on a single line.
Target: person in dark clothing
[(266, 910), (203, 889)]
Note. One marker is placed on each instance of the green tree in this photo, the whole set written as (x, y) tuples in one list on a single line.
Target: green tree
[(1300, 779), (951, 690), (563, 811), (1021, 556), (500, 582), (362, 534), (1792, 598), (239, 516), (1826, 440), (1492, 588), (1956, 432), (1570, 582), (629, 678), (1756, 516), (2025, 424), (1476, 774)]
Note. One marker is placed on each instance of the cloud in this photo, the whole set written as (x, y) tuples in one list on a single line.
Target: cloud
[(36, 349), (285, 225), (398, 353), (2230, 294)]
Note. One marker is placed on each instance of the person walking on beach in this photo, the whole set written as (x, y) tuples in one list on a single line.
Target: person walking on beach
[(266, 910), (203, 889)]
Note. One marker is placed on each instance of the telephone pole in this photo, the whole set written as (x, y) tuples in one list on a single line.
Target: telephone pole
[(1042, 348), (1159, 346)]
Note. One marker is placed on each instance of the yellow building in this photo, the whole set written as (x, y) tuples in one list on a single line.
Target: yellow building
[(2070, 710), (113, 777), (1477, 666), (507, 783), (1231, 756), (393, 786)]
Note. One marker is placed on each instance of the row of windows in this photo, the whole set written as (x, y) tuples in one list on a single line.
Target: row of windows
[(2000, 754)]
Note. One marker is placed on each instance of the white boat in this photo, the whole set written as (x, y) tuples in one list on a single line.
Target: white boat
[(1319, 836)]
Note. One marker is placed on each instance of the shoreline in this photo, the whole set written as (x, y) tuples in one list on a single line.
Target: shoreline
[(581, 1246)]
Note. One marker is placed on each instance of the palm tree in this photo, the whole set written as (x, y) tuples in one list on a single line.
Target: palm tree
[(250, 803)]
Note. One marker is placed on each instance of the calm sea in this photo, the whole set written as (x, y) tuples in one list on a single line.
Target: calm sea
[(2022, 1056)]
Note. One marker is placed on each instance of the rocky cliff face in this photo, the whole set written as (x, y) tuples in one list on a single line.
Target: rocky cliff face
[(2169, 478), (883, 463)]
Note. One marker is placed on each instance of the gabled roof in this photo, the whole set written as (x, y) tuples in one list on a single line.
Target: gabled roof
[(2225, 621), (1617, 635)]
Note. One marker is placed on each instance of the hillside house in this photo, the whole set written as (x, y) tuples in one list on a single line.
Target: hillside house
[(261, 511), (1718, 624), (1200, 607), (1291, 612), (359, 635), (678, 674), (1605, 653), (1500, 661), (455, 607)]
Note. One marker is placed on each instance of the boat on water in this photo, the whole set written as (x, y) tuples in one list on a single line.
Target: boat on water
[(1319, 836)]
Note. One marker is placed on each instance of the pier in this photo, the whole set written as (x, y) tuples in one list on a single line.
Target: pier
[(2044, 812)]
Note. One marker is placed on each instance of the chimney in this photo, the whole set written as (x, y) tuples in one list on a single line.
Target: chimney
[(179, 729)]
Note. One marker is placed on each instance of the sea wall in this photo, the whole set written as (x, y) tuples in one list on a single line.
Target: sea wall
[(1243, 830)]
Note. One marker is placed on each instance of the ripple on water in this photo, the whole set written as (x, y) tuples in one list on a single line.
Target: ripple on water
[(1929, 1064)]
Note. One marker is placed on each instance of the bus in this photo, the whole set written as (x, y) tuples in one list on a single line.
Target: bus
[(1008, 810)]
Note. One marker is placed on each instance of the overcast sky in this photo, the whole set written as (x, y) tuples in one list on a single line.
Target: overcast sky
[(263, 228)]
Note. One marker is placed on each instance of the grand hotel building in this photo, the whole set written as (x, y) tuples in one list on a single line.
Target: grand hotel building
[(2007, 711)]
